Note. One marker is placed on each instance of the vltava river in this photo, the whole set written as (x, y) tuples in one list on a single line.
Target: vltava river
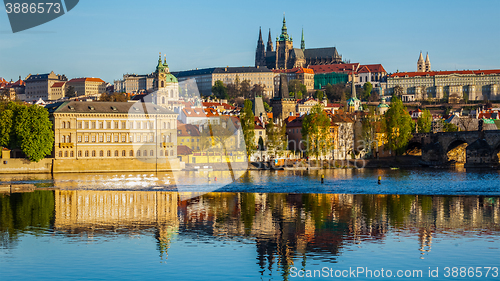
[(266, 226)]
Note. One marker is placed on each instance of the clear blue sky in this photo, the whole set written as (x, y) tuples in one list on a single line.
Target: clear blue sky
[(109, 38)]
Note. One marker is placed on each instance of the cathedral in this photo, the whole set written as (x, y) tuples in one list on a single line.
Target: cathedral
[(287, 57)]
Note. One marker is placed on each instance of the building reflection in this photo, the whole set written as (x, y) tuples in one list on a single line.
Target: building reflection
[(287, 229)]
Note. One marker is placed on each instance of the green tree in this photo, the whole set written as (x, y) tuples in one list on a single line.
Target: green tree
[(248, 126), (367, 90), (70, 92), (399, 126), (257, 90), (276, 138), (319, 95), (114, 97), (267, 107), (316, 131), (245, 89), (219, 90), (6, 124), (261, 143), (303, 89), (294, 86), (33, 129), (424, 122)]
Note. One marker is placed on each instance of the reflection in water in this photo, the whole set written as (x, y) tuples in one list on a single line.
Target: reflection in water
[(286, 229)]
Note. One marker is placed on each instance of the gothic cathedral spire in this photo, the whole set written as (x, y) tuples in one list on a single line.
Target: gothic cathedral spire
[(420, 63), (270, 47), (260, 54), (302, 41)]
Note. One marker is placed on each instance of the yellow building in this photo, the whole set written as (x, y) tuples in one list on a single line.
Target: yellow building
[(113, 130), (87, 86)]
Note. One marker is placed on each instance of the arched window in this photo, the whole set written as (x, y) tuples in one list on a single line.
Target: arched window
[(86, 153), (151, 153), (131, 153), (101, 153), (168, 125), (69, 125), (65, 154), (171, 153), (166, 152), (145, 153), (163, 100), (60, 153), (79, 153), (68, 139), (164, 125), (93, 153), (116, 153), (138, 153), (63, 139), (124, 153), (108, 153), (71, 154), (63, 125)]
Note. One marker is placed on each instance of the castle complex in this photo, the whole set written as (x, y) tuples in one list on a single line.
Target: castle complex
[(286, 56)]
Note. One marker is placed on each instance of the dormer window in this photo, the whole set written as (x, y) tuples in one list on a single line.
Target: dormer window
[(91, 107), (114, 108)]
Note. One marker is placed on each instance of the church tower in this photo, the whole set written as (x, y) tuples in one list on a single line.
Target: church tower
[(284, 43), (303, 42), (270, 47), (260, 54), (283, 105), (427, 63), (165, 85), (420, 63)]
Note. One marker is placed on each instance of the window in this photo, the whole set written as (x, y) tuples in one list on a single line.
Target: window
[(93, 125), (151, 138), (79, 153), (101, 138), (164, 125), (151, 153), (131, 153), (86, 138), (93, 153), (86, 153), (124, 125), (63, 139), (79, 125), (116, 137), (101, 153), (65, 154), (124, 138), (108, 153), (116, 153), (124, 153), (116, 124), (145, 153), (161, 152), (63, 125), (93, 138), (101, 125), (60, 153), (138, 153), (108, 138), (69, 125), (108, 125)]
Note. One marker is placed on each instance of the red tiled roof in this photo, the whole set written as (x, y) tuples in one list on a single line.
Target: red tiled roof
[(434, 73), (340, 67), (294, 70), (87, 79), (187, 130), (375, 67), (184, 150), (216, 104), (58, 84)]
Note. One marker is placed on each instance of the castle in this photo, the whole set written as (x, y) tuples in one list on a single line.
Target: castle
[(287, 57)]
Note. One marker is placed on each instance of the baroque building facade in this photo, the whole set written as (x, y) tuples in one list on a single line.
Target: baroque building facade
[(286, 56)]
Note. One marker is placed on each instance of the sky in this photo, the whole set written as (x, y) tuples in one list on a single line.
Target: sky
[(107, 39)]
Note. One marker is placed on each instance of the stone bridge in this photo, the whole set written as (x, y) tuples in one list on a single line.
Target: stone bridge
[(472, 148)]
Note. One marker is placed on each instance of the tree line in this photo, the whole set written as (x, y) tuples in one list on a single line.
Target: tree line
[(28, 128)]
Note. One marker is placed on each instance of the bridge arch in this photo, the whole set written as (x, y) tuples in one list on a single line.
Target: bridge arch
[(414, 148), (456, 151)]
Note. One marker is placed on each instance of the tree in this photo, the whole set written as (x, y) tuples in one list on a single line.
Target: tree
[(33, 130), (114, 97), (245, 89), (6, 124), (294, 86), (219, 90), (316, 131), (248, 126), (267, 107), (261, 144), (399, 126), (299, 95), (367, 90), (257, 90), (424, 122), (319, 95), (70, 92), (276, 138), (398, 91)]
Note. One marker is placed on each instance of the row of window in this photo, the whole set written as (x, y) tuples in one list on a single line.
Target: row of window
[(116, 153), (115, 125), (117, 138)]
